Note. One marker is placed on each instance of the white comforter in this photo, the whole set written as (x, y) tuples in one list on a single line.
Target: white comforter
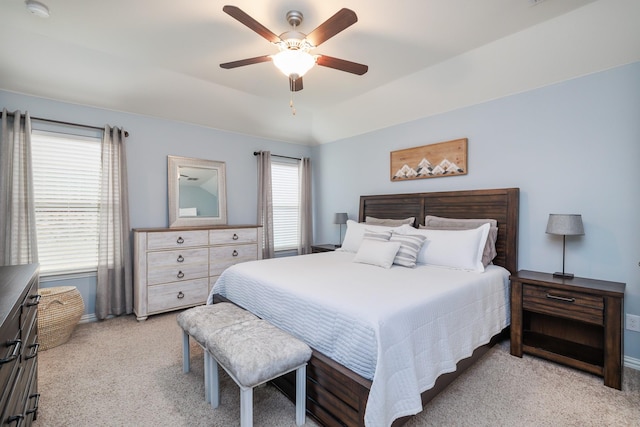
[(400, 327)]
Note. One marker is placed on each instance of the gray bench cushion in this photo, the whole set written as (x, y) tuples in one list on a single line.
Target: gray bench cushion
[(202, 320), (255, 351)]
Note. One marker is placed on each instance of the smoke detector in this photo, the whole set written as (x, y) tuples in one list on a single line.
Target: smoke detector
[(39, 9)]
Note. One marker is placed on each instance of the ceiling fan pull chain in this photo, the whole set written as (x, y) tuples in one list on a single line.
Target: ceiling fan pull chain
[(293, 109)]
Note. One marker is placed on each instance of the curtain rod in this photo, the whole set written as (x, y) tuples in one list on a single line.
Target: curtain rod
[(126, 133), (255, 153)]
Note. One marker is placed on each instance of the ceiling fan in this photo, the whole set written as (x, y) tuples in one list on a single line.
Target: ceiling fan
[(294, 59)]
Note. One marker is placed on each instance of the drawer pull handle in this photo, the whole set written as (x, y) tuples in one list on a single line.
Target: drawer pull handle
[(561, 298), (180, 258), (15, 419), (16, 351), (235, 236), (180, 295), (235, 253), (180, 275), (36, 298), (180, 240), (35, 405), (34, 351)]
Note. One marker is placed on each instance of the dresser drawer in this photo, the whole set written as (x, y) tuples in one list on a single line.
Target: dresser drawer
[(177, 239), (233, 235), (11, 347), (175, 295), (171, 266), (562, 303), (222, 257)]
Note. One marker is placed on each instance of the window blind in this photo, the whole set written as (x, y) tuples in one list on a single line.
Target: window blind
[(66, 180), (286, 204)]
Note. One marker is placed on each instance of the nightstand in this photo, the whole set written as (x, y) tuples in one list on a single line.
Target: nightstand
[(576, 322), (323, 248)]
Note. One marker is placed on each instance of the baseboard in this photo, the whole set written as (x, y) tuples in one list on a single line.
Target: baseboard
[(88, 318), (632, 362)]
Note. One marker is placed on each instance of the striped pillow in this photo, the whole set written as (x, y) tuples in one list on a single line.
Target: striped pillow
[(382, 236), (410, 245)]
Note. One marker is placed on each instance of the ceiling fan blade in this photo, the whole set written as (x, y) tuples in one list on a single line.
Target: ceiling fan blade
[(342, 65), (342, 19), (248, 61), (242, 17), (295, 85)]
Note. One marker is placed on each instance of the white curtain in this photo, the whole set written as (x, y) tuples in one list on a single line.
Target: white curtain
[(18, 244), (305, 220), (114, 289), (265, 203)]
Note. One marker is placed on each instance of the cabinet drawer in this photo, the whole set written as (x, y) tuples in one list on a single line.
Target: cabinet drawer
[(223, 257), (233, 235), (175, 295), (177, 239), (171, 266), (560, 303)]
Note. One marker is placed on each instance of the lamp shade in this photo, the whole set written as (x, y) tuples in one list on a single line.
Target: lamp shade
[(293, 63), (565, 224), (340, 218)]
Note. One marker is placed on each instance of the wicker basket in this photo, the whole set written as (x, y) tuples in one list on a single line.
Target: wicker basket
[(59, 312)]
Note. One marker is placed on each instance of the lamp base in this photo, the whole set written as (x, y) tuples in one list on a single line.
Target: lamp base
[(563, 275)]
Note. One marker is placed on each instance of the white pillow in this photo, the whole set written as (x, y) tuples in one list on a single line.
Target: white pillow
[(460, 249), (376, 252), (355, 233)]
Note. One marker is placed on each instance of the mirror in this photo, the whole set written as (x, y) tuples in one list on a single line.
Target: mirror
[(197, 192)]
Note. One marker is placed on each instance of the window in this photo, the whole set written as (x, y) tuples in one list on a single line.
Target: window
[(286, 204), (66, 181)]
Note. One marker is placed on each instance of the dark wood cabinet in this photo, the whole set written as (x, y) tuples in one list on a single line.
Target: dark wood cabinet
[(323, 248), (577, 322), (19, 345)]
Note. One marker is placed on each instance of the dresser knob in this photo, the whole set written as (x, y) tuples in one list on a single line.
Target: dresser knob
[(180, 258), (235, 253), (180, 275), (235, 236), (16, 351), (180, 240), (180, 295)]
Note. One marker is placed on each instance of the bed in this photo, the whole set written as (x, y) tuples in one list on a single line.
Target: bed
[(391, 347)]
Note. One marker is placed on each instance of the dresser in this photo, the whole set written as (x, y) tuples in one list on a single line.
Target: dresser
[(18, 344), (176, 268)]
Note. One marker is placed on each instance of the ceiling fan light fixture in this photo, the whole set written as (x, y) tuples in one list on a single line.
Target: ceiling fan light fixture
[(39, 9), (293, 62)]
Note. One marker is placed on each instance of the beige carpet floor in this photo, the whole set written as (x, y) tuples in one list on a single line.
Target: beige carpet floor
[(121, 372)]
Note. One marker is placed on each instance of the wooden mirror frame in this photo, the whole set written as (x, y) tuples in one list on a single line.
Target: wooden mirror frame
[(174, 163)]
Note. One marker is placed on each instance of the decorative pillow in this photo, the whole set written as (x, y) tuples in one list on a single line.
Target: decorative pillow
[(382, 236), (355, 233), (377, 253), (410, 245), (460, 249), (439, 223), (389, 222)]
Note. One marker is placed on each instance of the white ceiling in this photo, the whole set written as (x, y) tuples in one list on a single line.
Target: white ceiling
[(161, 58)]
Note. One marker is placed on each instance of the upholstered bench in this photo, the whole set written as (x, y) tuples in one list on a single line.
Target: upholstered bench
[(250, 350), (198, 321)]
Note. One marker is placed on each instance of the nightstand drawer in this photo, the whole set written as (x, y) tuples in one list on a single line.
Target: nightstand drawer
[(562, 303)]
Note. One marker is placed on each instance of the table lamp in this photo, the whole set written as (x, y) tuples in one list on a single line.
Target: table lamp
[(565, 225), (340, 218)]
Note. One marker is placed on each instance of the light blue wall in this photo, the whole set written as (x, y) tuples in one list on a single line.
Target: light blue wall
[(573, 147), (150, 142)]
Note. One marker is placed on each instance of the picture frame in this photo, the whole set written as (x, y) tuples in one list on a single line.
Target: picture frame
[(441, 159)]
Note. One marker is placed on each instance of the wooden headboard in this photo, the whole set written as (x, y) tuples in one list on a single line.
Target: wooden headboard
[(499, 204)]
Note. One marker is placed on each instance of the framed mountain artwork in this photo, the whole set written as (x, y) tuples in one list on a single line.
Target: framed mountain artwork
[(430, 161)]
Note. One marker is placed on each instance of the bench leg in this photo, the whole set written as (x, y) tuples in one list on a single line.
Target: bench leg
[(207, 377), (246, 406), (301, 394), (214, 381), (186, 362)]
